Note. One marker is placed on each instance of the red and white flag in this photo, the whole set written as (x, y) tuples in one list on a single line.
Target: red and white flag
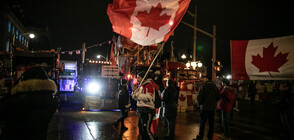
[(146, 22), (78, 52), (263, 59)]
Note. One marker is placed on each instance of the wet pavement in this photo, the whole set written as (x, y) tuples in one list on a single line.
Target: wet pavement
[(70, 123)]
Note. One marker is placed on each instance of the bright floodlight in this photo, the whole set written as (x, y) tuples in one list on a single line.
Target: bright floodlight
[(32, 35), (188, 65), (183, 56), (199, 65), (93, 87), (229, 76), (193, 64)]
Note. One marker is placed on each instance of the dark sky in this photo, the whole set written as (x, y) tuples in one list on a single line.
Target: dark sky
[(72, 22)]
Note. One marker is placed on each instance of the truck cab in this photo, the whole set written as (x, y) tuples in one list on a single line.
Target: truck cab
[(97, 86)]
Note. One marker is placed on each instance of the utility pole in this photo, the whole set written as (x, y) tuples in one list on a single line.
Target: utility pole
[(213, 54), (194, 15), (194, 44), (213, 36), (83, 55)]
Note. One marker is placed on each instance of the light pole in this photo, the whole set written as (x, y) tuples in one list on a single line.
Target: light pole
[(213, 36)]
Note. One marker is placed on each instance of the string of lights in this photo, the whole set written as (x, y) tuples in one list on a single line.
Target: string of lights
[(78, 52)]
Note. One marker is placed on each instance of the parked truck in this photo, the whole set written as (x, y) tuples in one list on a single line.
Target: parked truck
[(68, 75)]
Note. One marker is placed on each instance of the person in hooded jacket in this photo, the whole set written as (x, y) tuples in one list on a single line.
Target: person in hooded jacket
[(28, 111), (145, 96), (225, 104), (207, 98), (169, 98), (123, 104)]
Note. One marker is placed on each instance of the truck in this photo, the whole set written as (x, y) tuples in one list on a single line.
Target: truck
[(68, 75), (97, 86)]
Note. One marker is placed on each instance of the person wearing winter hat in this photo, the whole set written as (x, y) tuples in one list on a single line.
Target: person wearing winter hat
[(123, 104), (28, 111), (145, 96)]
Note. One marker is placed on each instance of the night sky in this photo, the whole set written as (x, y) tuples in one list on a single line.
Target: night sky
[(73, 22)]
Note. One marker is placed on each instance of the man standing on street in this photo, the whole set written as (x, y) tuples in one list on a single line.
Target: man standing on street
[(207, 98), (123, 105)]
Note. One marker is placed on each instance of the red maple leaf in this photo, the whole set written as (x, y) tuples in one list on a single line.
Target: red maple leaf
[(269, 62), (153, 19)]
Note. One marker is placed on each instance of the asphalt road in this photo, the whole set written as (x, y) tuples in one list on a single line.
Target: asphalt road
[(70, 123)]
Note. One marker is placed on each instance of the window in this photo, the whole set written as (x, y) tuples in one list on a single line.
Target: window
[(27, 44), (16, 34), (19, 37), (23, 40), (13, 30), (9, 26), (7, 46)]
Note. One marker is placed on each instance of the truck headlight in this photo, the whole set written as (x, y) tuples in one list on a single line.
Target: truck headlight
[(93, 87)]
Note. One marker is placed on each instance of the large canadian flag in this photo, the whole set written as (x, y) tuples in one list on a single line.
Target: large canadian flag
[(263, 59), (146, 22)]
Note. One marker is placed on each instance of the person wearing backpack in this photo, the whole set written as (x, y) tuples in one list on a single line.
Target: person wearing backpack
[(145, 96), (169, 99)]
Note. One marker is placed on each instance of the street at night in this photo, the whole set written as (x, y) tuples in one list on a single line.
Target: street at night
[(73, 124), (146, 70)]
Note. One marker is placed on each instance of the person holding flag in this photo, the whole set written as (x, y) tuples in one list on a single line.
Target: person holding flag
[(145, 96)]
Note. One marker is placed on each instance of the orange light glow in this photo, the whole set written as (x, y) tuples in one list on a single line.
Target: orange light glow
[(129, 76)]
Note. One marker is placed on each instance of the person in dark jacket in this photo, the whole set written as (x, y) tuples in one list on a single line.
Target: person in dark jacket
[(169, 98), (252, 92), (123, 104), (228, 96), (207, 98), (286, 105), (27, 112)]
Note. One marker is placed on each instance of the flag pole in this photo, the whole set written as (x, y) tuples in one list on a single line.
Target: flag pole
[(151, 64)]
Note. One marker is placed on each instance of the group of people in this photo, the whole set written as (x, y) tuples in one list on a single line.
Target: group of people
[(211, 98), (146, 109)]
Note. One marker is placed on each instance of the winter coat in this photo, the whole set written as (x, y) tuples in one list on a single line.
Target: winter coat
[(145, 95), (228, 96), (169, 98), (27, 112), (123, 98), (208, 96)]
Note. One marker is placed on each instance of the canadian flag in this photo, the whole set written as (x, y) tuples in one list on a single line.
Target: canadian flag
[(78, 52), (263, 59), (146, 22)]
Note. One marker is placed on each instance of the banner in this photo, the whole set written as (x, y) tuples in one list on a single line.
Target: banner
[(263, 59), (146, 22)]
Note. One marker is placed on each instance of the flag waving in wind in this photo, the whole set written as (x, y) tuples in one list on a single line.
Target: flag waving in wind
[(263, 59), (146, 22)]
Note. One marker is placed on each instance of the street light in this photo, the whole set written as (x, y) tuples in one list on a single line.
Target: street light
[(183, 56), (99, 56), (31, 35)]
